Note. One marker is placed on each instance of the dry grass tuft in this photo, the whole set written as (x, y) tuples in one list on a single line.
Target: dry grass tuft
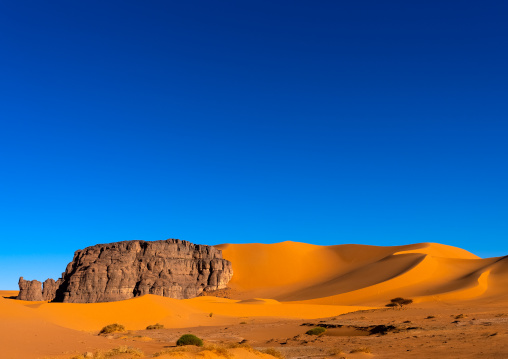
[(274, 352), (136, 353), (335, 351), (361, 350), (242, 346), (171, 351), (218, 350), (112, 328), (316, 331)]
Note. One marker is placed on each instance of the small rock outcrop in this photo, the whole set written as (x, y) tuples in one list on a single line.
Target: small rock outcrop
[(30, 290), (123, 270), (49, 288)]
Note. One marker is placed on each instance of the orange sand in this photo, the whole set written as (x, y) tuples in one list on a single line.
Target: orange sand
[(362, 275), (271, 281), (138, 313)]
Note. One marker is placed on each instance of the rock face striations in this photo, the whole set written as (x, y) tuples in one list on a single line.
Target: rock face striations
[(123, 270)]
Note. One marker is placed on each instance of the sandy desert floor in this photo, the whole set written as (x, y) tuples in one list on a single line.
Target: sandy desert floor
[(278, 292)]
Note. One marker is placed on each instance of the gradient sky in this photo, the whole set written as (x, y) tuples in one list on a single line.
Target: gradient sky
[(373, 122)]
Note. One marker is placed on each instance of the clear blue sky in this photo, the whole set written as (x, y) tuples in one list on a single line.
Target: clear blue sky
[(374, 122)]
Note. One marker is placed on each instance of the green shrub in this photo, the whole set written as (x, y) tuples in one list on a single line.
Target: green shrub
[(316, 331), (112, 328), (155, 326), (189, 339)]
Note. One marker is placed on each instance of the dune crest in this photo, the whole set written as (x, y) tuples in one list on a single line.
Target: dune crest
[(353, 274)]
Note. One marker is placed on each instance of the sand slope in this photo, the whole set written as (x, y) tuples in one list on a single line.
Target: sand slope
[(362, 275), (138, 313), (271, 282), (25, 335)]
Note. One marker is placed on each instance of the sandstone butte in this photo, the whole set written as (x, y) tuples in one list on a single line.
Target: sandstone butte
[(123, 270)]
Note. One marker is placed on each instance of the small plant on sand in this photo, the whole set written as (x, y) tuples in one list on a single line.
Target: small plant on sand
[(242, 345), (136, 353), (112, 328), (124, 350), (361, 350), (218, 350), (155, 326), (274, 352), (316, 331), (171, 351), (189, 339), (334, 351), (399, 302)]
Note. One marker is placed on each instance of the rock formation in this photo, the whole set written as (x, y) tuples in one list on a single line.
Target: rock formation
[(30, 290), (123, 270)]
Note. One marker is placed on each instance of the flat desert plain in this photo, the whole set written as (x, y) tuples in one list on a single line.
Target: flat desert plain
[(280, 291)]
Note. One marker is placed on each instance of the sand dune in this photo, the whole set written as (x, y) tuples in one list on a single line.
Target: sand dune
[(25, 335), (37, 329), (138, 313), (361, 275), (282, 281)]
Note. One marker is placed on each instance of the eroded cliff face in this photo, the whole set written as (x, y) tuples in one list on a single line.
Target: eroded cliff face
[(122, 270)]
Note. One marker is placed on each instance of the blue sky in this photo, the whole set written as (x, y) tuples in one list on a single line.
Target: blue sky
[(368, 122)]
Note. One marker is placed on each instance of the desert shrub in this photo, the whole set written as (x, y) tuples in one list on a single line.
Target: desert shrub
[(189, 339), (399, 301), (382, 329), (316, 331), (273, 352), (112, 328), (155, 326), (361, 350)]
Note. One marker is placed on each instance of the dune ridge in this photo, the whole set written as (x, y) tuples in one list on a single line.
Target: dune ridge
[(352, 274), (271, 282)]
